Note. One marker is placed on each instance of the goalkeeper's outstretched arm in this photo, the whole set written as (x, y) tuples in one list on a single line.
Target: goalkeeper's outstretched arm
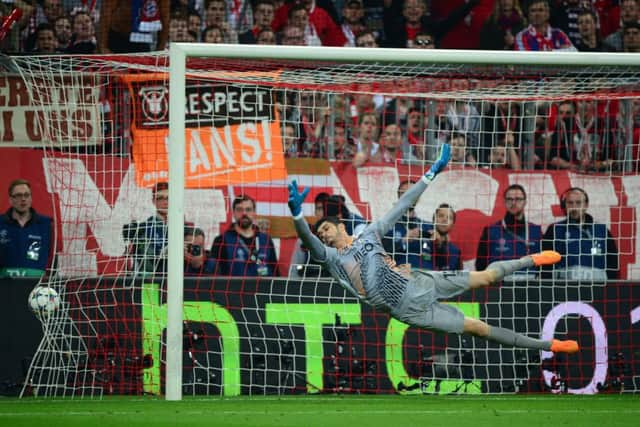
[(311, 242), (410, 197)]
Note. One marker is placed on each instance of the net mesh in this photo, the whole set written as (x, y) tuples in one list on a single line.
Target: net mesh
[(356, 131)]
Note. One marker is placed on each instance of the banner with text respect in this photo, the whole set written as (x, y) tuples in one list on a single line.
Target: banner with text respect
[(232, 133)]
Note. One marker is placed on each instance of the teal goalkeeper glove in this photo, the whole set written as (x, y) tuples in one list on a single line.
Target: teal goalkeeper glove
[(440, 164), (296, 198)]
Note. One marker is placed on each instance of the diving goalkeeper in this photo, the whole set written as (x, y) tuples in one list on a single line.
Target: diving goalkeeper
[(362, 266)]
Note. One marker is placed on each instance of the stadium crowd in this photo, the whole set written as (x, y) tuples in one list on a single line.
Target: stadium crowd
[(121, 26), (584, 135)]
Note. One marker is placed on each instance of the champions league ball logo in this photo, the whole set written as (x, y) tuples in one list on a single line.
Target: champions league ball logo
[(155, 105)]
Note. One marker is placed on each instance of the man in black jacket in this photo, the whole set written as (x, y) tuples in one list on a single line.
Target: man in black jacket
[(404, 19)]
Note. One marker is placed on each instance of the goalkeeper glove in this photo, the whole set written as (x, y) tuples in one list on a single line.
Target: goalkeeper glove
[(296, 198), (440, 164)]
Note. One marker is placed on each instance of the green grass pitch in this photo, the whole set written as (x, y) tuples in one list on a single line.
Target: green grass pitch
[(326, 410)]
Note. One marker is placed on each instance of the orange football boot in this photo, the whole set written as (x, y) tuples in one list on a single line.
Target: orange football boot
[(545, 258), (567, 346)]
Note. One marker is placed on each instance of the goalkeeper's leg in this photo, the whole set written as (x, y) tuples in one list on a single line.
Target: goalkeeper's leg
[(510, 338), (496, 271)]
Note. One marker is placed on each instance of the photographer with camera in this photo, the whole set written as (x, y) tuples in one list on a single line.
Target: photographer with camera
[(196, 261), (148, 239)]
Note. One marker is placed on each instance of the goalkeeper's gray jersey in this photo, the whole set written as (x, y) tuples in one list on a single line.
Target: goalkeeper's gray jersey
[(364, 268)]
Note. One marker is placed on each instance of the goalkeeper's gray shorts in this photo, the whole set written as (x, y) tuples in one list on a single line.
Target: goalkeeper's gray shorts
[(420, 307)]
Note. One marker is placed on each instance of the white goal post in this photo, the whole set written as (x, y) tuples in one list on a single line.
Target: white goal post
[(179, 52)]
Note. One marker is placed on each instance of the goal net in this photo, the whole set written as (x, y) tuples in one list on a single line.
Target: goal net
[(177, 263)]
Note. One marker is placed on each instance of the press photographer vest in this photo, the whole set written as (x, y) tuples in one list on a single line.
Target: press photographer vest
[(24, 251), (247, 260), (584, 245), (503, 244), (432, 258)]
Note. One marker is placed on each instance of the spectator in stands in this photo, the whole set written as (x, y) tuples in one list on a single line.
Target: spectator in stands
[(361, 103), (299, 17), (194, 23), (589, 38), (263, 13), (580, 140), (565, 17), (243, 250), (266, 37), (631, 37), (215, 15), (499, 119), (539, 35), (323, 24), (403, 19), (36, 13), (499, 30), (196, 259), (343, 144), (424, 40), (366, 140), (62, 28), (213, 34), (504, 155), (366, 39), (588, 249), (290, 140), (460, 153), (463, 117), (148, 239), (465, 33), (26, 249), (393, 146), (560, 150), (292, 36), (438, 252), (608, 13), (512, 237), (629, 13), (416, 135), (596, 140), (83, 38), (239, 15), (405, 240), (46, 41), (119, 33), (352, 21), (179, 27), (319, 204)]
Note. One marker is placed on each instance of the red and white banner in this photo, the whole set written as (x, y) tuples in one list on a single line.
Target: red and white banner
[(93, 202), (62, 114)]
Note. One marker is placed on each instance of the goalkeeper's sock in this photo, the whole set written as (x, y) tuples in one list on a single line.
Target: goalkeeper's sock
[(513, 339), (504, 268)]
